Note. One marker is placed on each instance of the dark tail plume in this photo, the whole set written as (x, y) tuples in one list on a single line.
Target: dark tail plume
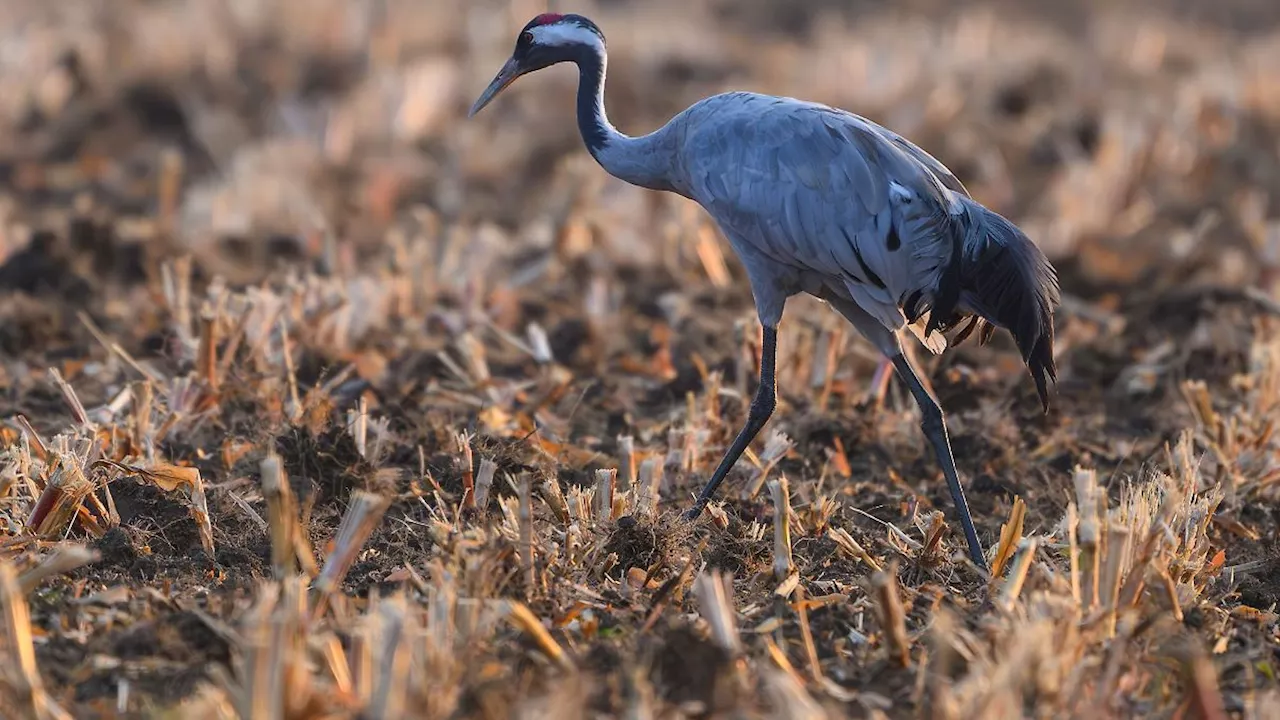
[(1008, 282)]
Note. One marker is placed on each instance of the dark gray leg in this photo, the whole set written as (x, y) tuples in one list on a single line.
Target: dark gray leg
[(761, 409), (935, 428)]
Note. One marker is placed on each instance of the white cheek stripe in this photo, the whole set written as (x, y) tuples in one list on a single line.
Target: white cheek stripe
[(564, 34)]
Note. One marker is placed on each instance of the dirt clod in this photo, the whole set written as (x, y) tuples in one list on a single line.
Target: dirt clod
[(229, 235)]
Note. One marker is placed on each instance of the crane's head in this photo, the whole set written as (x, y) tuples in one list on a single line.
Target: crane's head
[(547, 39)]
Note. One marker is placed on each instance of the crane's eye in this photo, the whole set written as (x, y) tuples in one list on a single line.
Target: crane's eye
[(526, 38)]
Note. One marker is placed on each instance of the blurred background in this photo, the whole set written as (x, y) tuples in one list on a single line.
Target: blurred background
[(298, 178), (1137, 142)]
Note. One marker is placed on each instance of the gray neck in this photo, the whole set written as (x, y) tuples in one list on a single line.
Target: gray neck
[(647, 160)]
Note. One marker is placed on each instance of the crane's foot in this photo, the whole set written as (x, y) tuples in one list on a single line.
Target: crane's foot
[(977, 556)]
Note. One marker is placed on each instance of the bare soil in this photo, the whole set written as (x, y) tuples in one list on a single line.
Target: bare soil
[(301, 250)]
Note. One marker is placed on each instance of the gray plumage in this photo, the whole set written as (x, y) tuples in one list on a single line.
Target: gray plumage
[(818, 200)]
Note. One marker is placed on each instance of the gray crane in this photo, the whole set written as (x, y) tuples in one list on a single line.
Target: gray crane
[(818, 200)]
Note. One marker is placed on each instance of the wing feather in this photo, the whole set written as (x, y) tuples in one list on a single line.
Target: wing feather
[(824, 192)]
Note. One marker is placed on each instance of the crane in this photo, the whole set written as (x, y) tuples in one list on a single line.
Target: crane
[(818, 200)]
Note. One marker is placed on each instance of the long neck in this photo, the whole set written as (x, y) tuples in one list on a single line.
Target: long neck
[(646, 160)]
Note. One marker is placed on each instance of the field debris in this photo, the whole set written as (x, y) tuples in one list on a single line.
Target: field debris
[(23, 689), (318, 400)]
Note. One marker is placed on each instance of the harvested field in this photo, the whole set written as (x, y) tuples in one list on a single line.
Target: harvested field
[(318, 400)]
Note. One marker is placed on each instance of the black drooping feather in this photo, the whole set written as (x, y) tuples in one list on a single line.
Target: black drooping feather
[(1008, 282)]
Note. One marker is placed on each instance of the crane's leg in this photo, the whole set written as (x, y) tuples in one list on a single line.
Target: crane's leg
[(935, 428), (933, 424), (761, 409)]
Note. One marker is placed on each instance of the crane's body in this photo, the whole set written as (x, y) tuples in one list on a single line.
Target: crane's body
[(821, 201)]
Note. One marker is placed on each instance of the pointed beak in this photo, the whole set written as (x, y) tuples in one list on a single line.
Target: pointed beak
[(507, 75)]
